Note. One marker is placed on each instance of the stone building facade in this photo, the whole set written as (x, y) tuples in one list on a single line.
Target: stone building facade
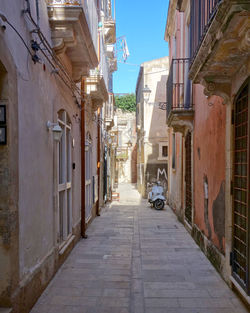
[(208, 117), (54, 81)]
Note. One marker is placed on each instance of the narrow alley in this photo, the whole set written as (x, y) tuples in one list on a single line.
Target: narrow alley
[(137, 260)]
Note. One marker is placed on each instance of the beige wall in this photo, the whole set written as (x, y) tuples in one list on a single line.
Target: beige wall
[(35, 95), (152, 131)]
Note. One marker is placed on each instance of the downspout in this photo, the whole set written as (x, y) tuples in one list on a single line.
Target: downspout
[(83, 225), (182, 175), (98, 161), (37, 14), (98, 134)]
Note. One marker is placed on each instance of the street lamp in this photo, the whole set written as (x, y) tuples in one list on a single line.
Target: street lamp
[(129, 144), (56, 129), (146, 93)]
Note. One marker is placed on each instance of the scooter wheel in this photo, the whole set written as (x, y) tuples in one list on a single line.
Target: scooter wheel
[(159, 204)]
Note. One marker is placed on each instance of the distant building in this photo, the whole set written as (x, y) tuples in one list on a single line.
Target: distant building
[(151, 128), (126, 146)]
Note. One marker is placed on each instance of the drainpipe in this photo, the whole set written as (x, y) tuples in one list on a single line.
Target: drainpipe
[(37, 14), (98, 161), (83, 225), (182, 173)]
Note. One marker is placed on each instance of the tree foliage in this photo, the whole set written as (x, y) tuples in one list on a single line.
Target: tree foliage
[(127, 102)]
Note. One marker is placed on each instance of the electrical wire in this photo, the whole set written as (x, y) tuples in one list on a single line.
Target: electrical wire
[(53, 61), (165, 70), (70, 84), (19, 35)]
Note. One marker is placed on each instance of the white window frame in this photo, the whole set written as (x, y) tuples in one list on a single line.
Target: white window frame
[(64, 178), (88, 178), (161, 157)]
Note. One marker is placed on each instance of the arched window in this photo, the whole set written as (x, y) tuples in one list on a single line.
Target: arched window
[(65, 177)]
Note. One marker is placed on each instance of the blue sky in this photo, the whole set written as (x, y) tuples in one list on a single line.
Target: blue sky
[(143, 23)]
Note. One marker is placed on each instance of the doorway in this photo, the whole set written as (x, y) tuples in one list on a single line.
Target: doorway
[(188, 178), (241, 185)]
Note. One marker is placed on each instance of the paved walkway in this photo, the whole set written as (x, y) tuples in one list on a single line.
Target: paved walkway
[(137, 260)]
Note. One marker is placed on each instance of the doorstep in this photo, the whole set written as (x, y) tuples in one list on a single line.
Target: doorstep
[(241, 292), (5, 310)]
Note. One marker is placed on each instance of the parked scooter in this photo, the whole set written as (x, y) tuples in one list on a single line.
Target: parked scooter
[(156, 196)]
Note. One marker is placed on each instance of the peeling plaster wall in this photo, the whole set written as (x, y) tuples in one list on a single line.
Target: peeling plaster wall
[(209, 167)]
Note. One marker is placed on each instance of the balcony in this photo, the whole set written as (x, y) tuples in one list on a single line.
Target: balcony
[(96, 88), (220, 43), (179, 97), (109, 112), (110, 49), (109, 24), (110, 31), (114, 137), (182, 5), (74, 26)]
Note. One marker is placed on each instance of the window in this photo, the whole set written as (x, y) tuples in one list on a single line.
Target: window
[(64, 177), (163, 151), (241, 182)]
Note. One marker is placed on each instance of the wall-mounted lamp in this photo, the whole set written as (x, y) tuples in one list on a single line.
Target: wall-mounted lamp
[(3, 17), (146, 93), (3, 126), (129, 144), (56, 129)]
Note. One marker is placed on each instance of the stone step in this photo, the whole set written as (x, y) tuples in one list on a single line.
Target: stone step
[(5, 310)]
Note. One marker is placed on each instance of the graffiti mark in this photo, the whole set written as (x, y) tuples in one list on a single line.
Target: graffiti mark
[(205, 182), (219, 215), (199, 153), (161, 172)]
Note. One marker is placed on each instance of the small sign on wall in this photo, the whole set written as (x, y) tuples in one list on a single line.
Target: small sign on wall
[(2, 114), (3, 127), (3, 135)]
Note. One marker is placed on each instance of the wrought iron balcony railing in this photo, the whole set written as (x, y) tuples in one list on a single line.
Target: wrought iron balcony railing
[(202, 14), (64, 2), (109, 108), (179, 95)]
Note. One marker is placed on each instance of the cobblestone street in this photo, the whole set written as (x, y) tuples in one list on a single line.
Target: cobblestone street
[(137, 260)]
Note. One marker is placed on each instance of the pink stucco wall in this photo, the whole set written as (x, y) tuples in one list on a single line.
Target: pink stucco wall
[(208, 152), (209, 166)]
